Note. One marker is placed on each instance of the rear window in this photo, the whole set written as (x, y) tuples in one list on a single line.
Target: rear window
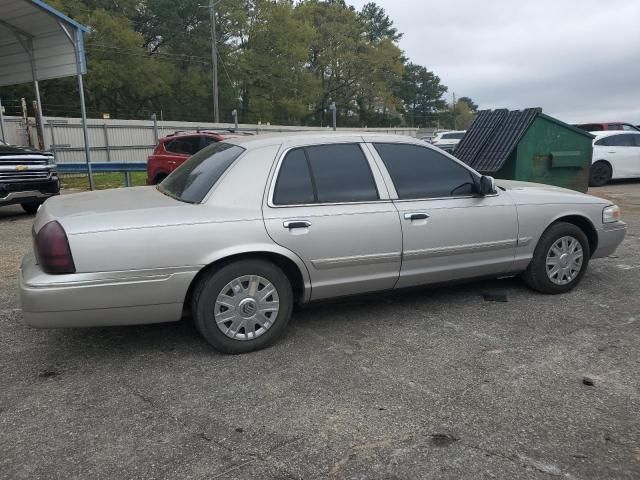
[(192, 180), (453, 136)]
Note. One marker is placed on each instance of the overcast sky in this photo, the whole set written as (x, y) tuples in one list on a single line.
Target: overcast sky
[(577, 59)]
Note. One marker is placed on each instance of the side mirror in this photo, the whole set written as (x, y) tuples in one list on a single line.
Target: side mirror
[(487, 185)]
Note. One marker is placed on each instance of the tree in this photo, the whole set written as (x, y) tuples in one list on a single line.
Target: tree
[(280, 61), (377, 23), (472, 106), (462, 116), (421, 92)]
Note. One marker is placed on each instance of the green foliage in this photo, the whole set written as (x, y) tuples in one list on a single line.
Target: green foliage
[(279, 61), (421, 92), (470, 103)]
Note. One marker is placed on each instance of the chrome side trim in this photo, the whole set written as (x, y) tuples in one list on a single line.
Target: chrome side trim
[(524, 241), (458, 249), (356, 260), (25, 194)]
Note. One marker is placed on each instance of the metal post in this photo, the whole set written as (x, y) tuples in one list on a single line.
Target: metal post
[(332, 108), (75, 42), (214, 62), (155, 128), (40, 117), (4, 139), (105, 129), (83, 108), (235, 117)]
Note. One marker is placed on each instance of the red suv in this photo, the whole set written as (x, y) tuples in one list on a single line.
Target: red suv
[(174, 149), (601, 127)]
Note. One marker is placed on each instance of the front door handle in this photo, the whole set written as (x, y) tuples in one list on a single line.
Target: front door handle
[(416, 216), (296, 224)]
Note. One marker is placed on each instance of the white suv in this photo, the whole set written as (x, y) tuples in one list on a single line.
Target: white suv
[(447, 141), (616, 154)]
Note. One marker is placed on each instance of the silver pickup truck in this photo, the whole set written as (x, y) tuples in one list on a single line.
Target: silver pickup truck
[(27, 177)]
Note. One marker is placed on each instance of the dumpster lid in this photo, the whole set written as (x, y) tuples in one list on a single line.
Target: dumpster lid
[(492, 136)]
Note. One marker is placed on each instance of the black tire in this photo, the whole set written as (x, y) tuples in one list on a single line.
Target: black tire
[(600, 174), (30, 207), (536, 274), (212, 284)]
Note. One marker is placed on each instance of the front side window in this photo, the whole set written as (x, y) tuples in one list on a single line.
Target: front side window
[(420, 172), (336, 173), (192, 180), (614, 126)]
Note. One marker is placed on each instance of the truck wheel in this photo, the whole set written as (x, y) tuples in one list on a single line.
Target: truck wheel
[(30, 207), (559, 260), (243, 306), (600, 174)]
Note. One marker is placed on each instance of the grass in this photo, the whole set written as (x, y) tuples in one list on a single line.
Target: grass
[(101, 181)]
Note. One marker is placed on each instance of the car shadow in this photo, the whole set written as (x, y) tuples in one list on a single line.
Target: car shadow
[(14, 212), (183, 338)]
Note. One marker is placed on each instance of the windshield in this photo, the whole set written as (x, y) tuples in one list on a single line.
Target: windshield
[(192, 180)]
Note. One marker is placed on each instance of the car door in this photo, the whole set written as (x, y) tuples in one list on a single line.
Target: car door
[(329, 207), (636, 154), (620, 151), (448, 231)]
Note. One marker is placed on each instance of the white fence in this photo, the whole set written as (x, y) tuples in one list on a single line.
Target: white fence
[(130, 140)]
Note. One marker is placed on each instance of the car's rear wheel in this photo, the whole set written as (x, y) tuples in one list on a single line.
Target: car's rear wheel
[(600, 174), (559, 260), (243, 306), (30, 207)]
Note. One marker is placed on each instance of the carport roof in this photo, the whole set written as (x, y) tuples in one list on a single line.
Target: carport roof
[(32, 30)]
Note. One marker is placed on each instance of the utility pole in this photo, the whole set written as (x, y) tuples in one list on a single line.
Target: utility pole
[(454, 111), (214, 62)]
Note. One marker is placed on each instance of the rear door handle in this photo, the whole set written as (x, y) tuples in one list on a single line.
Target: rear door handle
[(416, 216), (296, 224)]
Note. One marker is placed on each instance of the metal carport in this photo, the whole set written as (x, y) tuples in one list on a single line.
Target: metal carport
[(37, 42)]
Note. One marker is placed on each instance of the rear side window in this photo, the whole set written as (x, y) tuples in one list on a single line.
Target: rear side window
[(617, 141), (294, 181), (614, 126), (420, 172), (192, 180), (325, 174), (183, 145)]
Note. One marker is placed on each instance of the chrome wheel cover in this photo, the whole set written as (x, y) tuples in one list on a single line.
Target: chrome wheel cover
[(246, 307), (564, 260)]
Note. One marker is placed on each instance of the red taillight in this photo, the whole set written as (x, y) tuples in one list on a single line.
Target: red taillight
[(52, 249)]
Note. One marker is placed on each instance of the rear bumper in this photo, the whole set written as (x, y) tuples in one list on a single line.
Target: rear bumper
[(609, 238), (101, 299), (24, 192)]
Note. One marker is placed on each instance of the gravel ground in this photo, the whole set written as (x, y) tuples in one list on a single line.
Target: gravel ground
[(437, 383)]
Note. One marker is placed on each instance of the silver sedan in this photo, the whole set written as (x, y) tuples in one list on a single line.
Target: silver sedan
[(248, 227)]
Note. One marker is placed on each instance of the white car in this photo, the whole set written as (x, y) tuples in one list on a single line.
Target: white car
[(447, 141), (616, 154)]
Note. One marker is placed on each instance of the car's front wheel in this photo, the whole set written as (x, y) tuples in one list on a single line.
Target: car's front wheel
[(243, 306), (600, 174), (559, 260)]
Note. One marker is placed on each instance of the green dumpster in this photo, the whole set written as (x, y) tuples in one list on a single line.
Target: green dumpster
[(528, 145)]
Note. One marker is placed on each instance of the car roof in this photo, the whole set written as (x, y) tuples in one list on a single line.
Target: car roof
[(310, 138), (204, 133), (608, 133)]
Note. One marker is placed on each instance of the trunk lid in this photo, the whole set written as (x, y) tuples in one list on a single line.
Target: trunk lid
[(115, 209)]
